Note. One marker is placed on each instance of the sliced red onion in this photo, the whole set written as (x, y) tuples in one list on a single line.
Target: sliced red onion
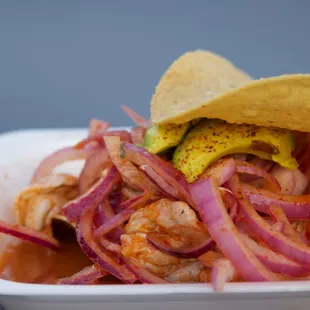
[(279, 227), (115, 199), (222, 170), (113, 223), (159, 180), (277, 241), (288, 229), (104, 214), (139, 120), (295, 207), (30, 235), (275, 261), (129, 172), (112, 239), (193, 251), (96, 126), (123, 216), (248, 168), (137, 135), (49, 163), (92, 169), (141, 273), (98, 138), (211, 208), (223, 271), (293, 182), (137, 201), (94, 196), (85, 276), (110, 246), (230, 202), (172, 176), (95, 252)]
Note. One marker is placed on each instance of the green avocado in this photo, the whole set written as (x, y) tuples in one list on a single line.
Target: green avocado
[(159, 138), (212, 139)]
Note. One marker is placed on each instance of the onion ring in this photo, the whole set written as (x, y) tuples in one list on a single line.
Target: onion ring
[(97, 254), (30, 235), (211, 208), (85, 276), (94, 196), (277, 241), (295, 207)]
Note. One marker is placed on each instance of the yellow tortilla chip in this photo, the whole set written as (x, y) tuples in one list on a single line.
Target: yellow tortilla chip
[(203, 84)]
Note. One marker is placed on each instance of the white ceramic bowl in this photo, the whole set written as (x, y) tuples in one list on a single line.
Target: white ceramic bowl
[(20, 152)]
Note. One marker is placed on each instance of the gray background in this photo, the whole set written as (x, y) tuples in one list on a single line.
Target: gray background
[(63, 62)]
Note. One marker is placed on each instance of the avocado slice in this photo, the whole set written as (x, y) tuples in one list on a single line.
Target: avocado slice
[(159, 138), (212, 139)]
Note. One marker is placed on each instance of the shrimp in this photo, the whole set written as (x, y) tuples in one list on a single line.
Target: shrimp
[(190, 273), (36, 205), (175, 223)]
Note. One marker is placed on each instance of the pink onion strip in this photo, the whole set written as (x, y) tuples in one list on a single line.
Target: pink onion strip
[(212, 210), (172, 176), (94, 196), (95, 252), (248, 168), (98, 138), (30, 235), (277, 241), (222, 170), (137, 135), (123, 216), (104, 214), (279, 227), (288, 229), (115, 198), (85, 276), (129, 172), (155, 177), (97, 126), (93, 168), (230, 202), (142, 274), (49, 163), (295, 207), (275, 261), (109, 245), (139, 120)]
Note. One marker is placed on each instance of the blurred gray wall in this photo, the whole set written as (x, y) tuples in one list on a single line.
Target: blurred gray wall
[(63, 62)]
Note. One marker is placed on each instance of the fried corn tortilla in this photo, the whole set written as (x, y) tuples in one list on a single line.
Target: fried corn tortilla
[(204, 84)]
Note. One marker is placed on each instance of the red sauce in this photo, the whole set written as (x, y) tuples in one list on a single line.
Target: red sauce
[(29, 263)]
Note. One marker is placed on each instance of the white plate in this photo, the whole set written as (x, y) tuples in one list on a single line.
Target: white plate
[(19, 153)]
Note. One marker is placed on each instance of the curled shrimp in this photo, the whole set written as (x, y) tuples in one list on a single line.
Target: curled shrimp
[(177, 224), (37, 205)]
